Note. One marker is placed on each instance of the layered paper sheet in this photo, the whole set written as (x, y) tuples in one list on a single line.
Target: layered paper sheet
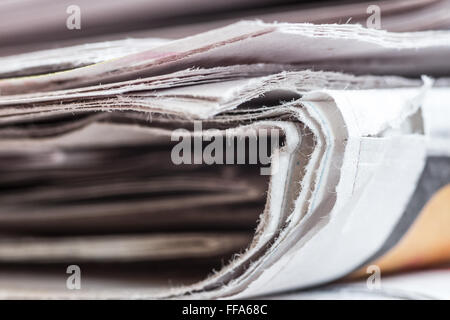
[(91, 175)]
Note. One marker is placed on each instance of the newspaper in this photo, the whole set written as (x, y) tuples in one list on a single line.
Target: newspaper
[(249, 160), (419, 285), (174, 19)]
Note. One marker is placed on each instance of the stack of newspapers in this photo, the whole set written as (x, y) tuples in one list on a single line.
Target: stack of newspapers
[(249, 160)]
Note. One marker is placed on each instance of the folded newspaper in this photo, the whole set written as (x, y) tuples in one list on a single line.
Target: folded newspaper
[(244, 161)]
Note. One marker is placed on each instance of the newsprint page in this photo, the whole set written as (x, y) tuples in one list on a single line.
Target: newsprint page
[(224, 156)]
